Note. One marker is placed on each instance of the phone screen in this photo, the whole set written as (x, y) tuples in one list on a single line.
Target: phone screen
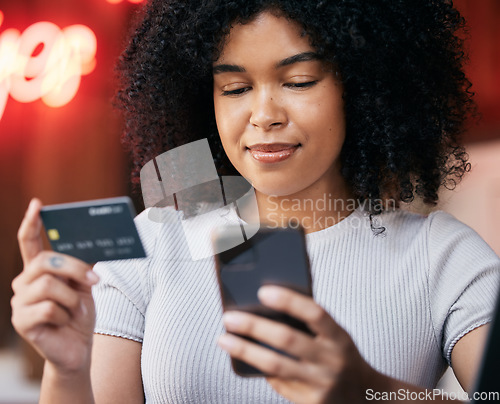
[(270, 257)]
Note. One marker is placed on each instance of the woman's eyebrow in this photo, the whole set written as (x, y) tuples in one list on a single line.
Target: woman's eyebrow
[(224, 68), (300, 57)]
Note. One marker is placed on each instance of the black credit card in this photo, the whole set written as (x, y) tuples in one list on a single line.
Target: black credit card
[(98, 230)]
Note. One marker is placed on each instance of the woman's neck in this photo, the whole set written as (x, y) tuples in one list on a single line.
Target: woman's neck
[(313, 208)]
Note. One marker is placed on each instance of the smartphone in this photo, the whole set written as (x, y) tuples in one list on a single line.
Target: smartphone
[(275, 256), (96, 230)]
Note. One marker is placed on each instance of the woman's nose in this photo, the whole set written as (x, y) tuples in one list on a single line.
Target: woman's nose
[(267, 111)]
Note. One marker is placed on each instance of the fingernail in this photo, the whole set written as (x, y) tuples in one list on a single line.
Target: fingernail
[(226, 342), (231, 319), (92, 277), (268, 294), (32, 204)]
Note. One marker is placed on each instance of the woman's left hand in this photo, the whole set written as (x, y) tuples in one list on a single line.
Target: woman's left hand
[(326, 367)]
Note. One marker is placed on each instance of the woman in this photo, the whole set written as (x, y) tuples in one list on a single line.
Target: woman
[(311, 101)]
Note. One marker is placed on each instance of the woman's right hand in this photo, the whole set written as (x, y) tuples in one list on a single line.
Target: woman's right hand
[(52, 306)]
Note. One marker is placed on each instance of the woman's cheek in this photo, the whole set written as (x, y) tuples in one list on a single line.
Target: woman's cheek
[(224, 116), (232, 122)]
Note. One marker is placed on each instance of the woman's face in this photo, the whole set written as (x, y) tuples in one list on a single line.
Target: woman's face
[(279, 109)]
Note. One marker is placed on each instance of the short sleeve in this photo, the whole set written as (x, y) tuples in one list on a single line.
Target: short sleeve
[(464, 280), (122, 294)]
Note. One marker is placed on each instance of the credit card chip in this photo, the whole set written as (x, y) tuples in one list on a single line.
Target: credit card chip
[(53, 234)]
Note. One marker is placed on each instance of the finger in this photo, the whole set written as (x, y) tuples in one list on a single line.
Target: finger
[(43, 313), (30, 241), (267, 361), (62, 266), (301, 307), (277, 335), (48, 287), (299, 390)]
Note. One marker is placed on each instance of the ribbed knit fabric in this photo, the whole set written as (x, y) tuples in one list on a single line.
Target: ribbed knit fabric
[(405, 297)]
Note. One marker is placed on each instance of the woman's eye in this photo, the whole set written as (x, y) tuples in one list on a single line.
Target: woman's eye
[(302, 85), (237, 91)]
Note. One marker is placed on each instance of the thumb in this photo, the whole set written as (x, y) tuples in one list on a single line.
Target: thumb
[(30, 241)]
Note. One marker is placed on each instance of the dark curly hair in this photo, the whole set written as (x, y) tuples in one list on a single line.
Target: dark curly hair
[(406, 96)]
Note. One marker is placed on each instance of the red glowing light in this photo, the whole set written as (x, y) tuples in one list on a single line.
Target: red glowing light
[(120, 1), (45, 62)]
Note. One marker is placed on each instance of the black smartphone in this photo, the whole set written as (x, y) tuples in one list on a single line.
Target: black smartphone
[(275, 256)]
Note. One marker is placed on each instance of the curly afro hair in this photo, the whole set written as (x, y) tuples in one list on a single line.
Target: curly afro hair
[(406, 96)]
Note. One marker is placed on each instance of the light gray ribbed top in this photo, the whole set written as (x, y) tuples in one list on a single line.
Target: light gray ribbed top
[(405, 298)]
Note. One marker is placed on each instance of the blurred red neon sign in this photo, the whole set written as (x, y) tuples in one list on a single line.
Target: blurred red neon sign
[(45, 62), (119, 1)]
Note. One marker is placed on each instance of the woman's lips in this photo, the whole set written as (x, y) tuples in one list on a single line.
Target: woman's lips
[(273, 152)]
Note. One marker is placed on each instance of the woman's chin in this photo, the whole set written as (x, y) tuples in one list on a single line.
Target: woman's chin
[(275, 190)]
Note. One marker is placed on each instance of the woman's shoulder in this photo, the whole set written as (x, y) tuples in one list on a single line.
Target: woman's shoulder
[(441, 234), (438, 225), (161, 232), (148, 229), (437, 221), (436, 234), (179, 236), (151, 222)]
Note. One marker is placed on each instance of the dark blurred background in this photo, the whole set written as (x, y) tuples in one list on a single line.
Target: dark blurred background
[(72, 152)]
